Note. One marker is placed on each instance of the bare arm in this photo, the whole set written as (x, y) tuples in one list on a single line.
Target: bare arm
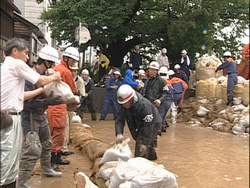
[(43, 80), (33, 93)]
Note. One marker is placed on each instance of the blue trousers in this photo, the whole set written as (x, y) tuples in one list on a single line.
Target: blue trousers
[(165, 107), (106, 105)]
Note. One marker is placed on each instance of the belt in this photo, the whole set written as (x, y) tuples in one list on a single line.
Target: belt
[(15, 113)]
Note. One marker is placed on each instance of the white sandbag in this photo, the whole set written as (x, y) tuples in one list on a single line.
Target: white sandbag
[(118, 151), (117, 176), (62, 89), (126, 184), (244, 121), (239, 107), (76, 119), (222, 79), (156, 177), (106, 169), (202, 111), (237, 100), (88, 183), (241, 80), (238, 129)]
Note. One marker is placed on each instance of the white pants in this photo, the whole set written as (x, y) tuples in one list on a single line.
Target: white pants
[(11, 144)]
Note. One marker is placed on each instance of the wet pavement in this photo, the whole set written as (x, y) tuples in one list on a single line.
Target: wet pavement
[(200, 157)]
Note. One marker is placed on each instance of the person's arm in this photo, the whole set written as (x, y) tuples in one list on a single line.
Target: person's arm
[(44, 80), (31, 94)]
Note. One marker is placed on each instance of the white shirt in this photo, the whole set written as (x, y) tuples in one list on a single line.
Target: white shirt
[(13, 75), (163, 61)]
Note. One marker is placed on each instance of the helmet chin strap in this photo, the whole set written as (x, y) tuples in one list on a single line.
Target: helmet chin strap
[(47, 66), (67, 62)]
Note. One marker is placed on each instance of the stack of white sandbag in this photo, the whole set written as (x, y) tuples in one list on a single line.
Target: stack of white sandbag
[(139, 172)]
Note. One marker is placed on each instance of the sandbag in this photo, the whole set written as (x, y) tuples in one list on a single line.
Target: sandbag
[(245, 93), (106, 169), (83, 181), (62, 89), (118, 151), (206, 88), (202, 111)]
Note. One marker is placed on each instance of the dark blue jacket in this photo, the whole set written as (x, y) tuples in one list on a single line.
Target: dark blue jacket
[(230, 67), (110, 92)]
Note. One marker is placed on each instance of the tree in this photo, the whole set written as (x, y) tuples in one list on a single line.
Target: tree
[(116, 26)]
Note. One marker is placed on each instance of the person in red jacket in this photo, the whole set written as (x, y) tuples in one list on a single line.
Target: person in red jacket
[(57, 114)]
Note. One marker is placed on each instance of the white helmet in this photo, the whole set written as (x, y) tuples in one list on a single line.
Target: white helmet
[(49, 53), (184, 52), (125, 93), (177, 66), (163, 70), (141, 72), (74, 67), (72, 52), (171, 72), (85, 71), (164, 50), (154, 65), (227, 54)]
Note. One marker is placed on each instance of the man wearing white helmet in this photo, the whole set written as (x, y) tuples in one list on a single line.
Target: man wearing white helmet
[(142, 118), (186, 63), (33, 116), (14, 72), (57, 114), (231, 69), (142, 75), (155, 89), (87, 99), (162, 59)]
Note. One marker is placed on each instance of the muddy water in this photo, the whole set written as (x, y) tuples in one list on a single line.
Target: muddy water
[(200, 157)]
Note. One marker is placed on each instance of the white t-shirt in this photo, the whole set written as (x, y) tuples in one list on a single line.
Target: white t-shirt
[(13, 75)]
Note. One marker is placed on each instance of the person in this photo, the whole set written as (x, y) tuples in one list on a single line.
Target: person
[(162, 59), (155, 89), (182, 75), (178, 88), (129, 79), (103, 63), (231, 70), (57, 114), (34, 122), (112, 84), (78, 80), (163, 72), (186, 63), (135, 59), (143, 120), (142, 76), (87, 99), (14, 72)]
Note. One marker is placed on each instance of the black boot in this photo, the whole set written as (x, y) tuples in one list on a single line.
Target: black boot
[(93, 116), (230, 100), (60, 161), (53, 162)]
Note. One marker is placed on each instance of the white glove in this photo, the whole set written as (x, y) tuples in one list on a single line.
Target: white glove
[(143, 150), (130, 65), (119, 138), (157, 103)]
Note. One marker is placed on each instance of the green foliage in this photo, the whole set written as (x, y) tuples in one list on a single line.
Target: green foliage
[(116, 26)]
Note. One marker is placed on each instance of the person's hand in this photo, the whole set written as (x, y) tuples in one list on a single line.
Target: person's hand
[(157, 103), (86, 95), (143, 150), (57, 76), (119, 138)]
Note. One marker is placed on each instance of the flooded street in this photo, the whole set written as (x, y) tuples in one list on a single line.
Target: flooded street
[(200, 157)]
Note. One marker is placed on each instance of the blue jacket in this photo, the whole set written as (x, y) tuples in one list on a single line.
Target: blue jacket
[(110, 92), (230, 67), (129, 79)]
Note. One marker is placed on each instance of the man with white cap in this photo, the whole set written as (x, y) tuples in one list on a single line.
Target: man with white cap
[(112, 85), (186, 63), (162, 59)]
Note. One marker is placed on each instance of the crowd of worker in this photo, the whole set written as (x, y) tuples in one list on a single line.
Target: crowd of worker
[(141, 98)]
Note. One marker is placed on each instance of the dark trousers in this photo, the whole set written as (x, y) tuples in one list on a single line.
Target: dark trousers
[(11, 185)]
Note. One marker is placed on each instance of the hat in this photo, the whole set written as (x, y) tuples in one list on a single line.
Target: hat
[(164, 50), (85, 71), (74, 67), (171, 72), (117, 72), (184, 52)]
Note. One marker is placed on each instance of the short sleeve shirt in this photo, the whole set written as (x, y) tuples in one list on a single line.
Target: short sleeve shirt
[(14, 72)]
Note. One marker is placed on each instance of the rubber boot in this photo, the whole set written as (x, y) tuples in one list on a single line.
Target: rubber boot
[(47, 169), (60, 161), (23, 179), (230, 100), (53, 162), (93, 116)]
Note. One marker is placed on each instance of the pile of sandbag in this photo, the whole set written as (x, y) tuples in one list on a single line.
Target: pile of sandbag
[(215, 114), (136, 173), (206, 66), (217, 88)]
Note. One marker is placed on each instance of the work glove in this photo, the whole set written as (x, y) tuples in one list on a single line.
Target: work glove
[(6, 119), (143, 150), (157, 103), (119, 138), (216, 70), (52, 100)]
